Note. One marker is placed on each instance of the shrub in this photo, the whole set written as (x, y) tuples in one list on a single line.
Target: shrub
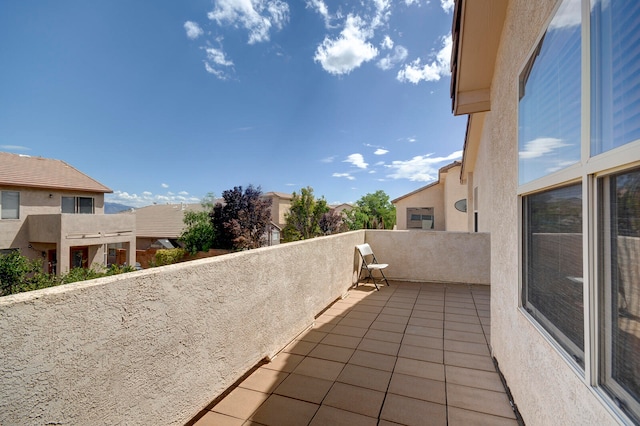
[(169, 256)]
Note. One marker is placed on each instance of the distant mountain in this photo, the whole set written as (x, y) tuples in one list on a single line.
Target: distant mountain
[(111, 208)]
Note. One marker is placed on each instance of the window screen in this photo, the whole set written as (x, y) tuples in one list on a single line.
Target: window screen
[(10, 203), (553, 265)]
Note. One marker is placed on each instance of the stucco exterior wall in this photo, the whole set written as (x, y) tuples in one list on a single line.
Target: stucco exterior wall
[(429, 197), (455, 220), (156, 346), (546, 389), (433, 256)]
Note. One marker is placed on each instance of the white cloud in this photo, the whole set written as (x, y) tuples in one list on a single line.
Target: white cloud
[(217, 62), (193, 30), (383, 12), (147, 193), (447, 5), (410, 2), (422, 168), (15, 148), (357, 160), (183, 193), (568, 15), (328, 159), (386, 43), (347, 52), (344, 175), (164, 185), (258, 17), (400, 53), (320, 7), (147, 198), (381, 151), (439, 67), (541, 146), (379, 163)]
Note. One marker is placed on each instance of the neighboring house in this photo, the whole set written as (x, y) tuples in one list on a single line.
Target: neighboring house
[(552, 156), (341, 208), (51, 211), (280, 206), (160, 225), (439, 206)]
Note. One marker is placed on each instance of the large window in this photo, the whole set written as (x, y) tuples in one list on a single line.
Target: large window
[(9, 205), (82, 205), (579, 175), (620, 289), (553, 258), (420, 218)]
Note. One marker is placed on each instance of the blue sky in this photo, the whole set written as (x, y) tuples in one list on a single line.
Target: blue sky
[(166, 101)]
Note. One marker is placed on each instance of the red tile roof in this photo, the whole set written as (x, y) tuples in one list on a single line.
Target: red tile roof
[(38, 172)]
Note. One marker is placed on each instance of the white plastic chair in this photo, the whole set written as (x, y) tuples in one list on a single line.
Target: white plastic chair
[(371, 265)]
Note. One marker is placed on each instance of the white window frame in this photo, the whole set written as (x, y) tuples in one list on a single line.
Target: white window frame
[(1, 208), (587, 171)]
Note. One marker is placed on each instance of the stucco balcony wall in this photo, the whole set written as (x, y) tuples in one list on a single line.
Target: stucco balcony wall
[(433, 256), (155, 346)]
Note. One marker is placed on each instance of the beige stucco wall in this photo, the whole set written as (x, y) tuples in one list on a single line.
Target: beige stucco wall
[(453, 191), (156, 346), (429, 197), (433, 256), (546, 390)]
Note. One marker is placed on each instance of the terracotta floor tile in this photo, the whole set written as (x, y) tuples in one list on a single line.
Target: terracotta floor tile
[(393, 318), (425, 331), (429, 308), (354, 322), (458, 304), (380, 347), (217, 419), (461, 311), (388, 326), (331, 353), (320, 368), (409, 411), (478, 362), (474, 378), (417, 368), (467, 348), (461, 326), (462, 318), (336, 311), (362, 315), (327, 415), (284, 362), (264, 380), (396, 311), (342, 341), (355, 399), (312, 335), (305, 388), (240, 403), (418, 388), (481, 400), (421, 353), (429, 315), (282, 411), (425, 342), (460, 417), (346, 330), (401, 304), (299, 347), (365, 377), (373, 360), (385, 336), (426, 322), (367, 308), (464, 336)]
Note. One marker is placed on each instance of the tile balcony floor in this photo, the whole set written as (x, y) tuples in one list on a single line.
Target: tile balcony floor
[(410, 354)]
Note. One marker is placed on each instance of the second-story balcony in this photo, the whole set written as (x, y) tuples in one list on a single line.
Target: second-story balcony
[(166, 345)]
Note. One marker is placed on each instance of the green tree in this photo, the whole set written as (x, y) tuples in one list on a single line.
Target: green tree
[(15, 270), (241, 222), (199, 234), (372, 211), (304, 217)]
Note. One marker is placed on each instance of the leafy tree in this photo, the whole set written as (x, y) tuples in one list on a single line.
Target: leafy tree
[(15, 269), (169, 256), (199, 234), (304, 217), (372, 211), (332, 222), (241, 222)]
